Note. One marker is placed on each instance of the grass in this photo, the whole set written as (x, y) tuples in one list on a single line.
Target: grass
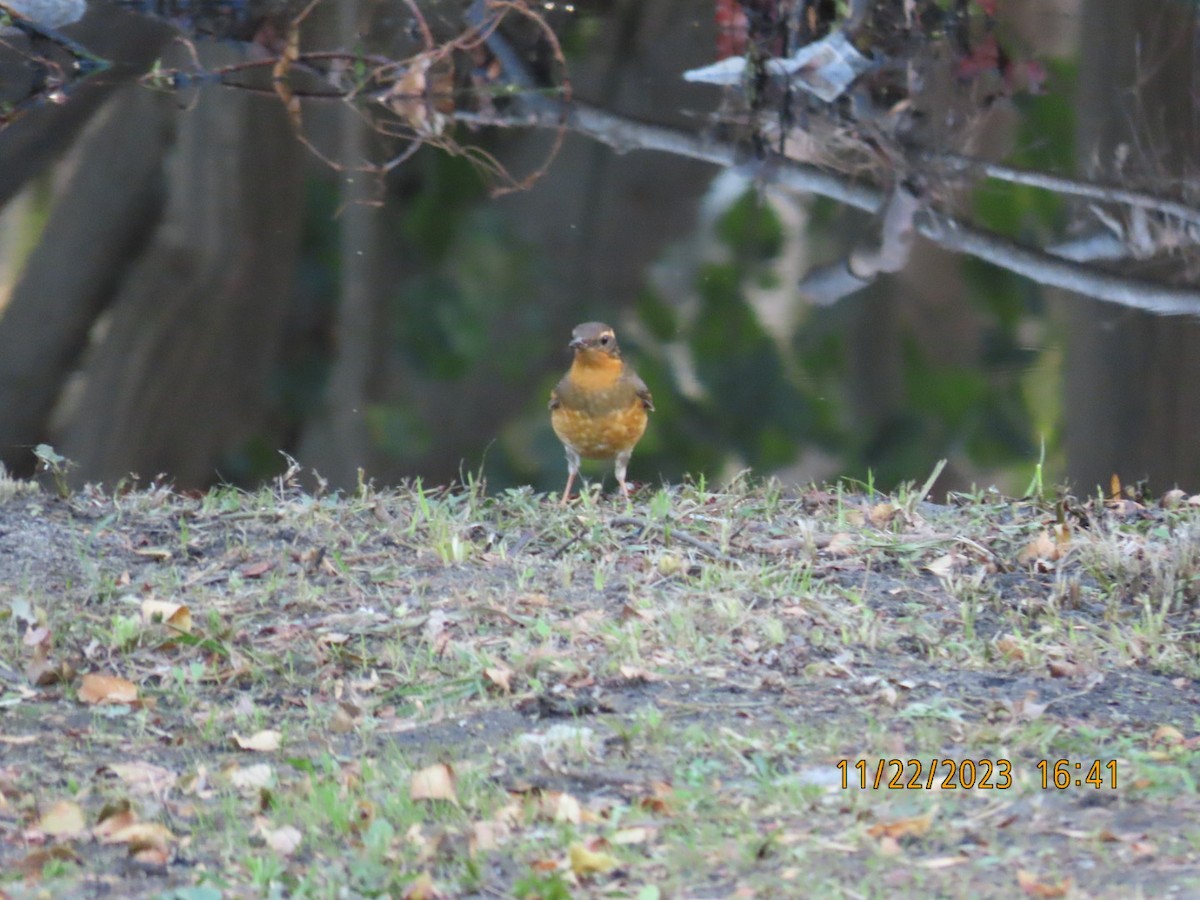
[(638, 700)]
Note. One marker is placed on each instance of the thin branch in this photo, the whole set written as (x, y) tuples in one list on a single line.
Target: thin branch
[(1058, 184), (625, 134)]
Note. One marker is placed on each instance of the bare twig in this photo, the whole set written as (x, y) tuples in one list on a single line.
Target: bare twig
[(624, 134), (682, 536)]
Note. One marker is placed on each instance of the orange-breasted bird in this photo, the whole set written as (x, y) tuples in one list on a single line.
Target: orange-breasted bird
[(599, 408)]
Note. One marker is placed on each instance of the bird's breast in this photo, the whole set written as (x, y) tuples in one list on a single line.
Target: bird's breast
[(597, 432)]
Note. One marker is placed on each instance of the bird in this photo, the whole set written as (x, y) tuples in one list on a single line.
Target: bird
[(599, 408)]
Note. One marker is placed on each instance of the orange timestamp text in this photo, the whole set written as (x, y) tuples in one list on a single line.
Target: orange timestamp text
[(927, 774)]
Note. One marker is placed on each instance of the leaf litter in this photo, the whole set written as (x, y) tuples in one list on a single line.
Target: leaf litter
[(443, 701)]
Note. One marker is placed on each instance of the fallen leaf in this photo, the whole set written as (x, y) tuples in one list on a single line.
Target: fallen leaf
[(841, 544), (944, 564), (1009, 647), (177, 615), (265, 741), (501, 676), (285, 841), (256, 777), (1060, 668), (915, 826), (256, 569), (434, 782), (1027, 708), (421, 888), (96, 689), (1167, 734), (1029, 883), (34, 863), (486, 836), (63, 819), (111, 824), (639, 834), (142, 836), (1041, 548), (144, 778), (559, 806), (585, 862)]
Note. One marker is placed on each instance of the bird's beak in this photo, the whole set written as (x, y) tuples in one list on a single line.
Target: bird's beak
[(577, 344)]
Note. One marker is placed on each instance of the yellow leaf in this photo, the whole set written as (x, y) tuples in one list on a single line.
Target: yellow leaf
[(434, 782), (586, 862), (882, 513), (63, 819), (107, 689)]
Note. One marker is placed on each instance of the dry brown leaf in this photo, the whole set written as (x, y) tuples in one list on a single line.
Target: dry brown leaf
[(1032, 887), (98, 689), (150, 857), (841, 544), (661, 800), (1167, 734), (265, 741), (501, 676), (560, 806), (1143, 849), (882, 513), (914, 826), (143, 777), (256, 569), (485, 836), (1043, 547), (1009, 648), (34, 863), (1027, 708), (63, 819), (176, 615), (142, 836), (638, 675), (434, 782), (110, 825), (1060, 668)]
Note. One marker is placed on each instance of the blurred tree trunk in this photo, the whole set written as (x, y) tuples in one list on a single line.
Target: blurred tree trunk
[(103, 214), (1132, 384), (180, 375), (336, 441)]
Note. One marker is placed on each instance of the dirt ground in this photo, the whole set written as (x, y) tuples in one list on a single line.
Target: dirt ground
[(742, 693)]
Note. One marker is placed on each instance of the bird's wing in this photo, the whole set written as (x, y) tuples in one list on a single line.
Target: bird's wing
[(643, 392)]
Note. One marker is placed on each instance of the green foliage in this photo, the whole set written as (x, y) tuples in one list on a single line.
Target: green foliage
[(1045, 143), (751, 229)]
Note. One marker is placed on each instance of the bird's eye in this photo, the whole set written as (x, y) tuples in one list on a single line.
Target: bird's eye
[(604, 339)]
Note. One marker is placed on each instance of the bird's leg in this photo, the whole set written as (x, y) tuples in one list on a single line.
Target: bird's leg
[(572, 471), (621, 465)]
